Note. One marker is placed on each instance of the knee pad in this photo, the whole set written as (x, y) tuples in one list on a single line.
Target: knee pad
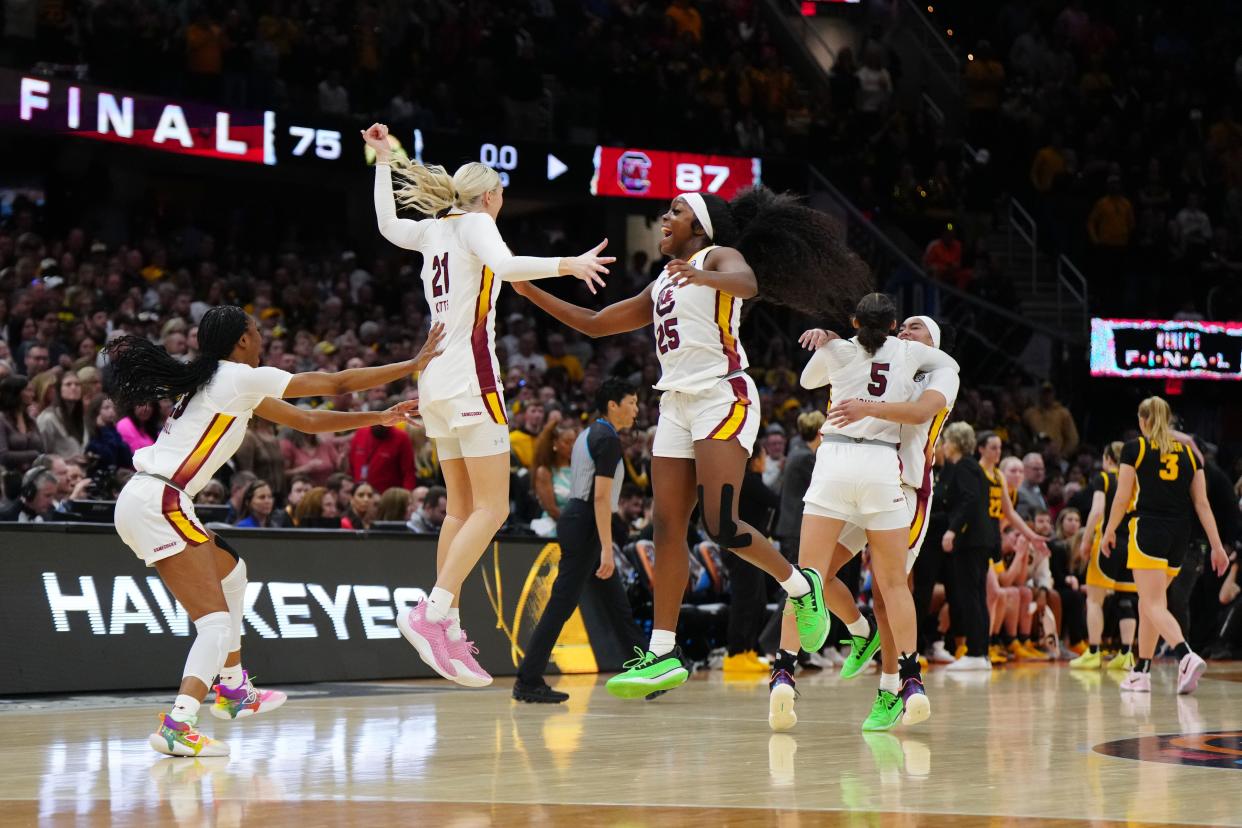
[(234, 587), (210, 647), (725, 533), (1127, 607)]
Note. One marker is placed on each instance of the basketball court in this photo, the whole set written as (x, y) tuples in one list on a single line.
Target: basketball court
[(1022, 745)]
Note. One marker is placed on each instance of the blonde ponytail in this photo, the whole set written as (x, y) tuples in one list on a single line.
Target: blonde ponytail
[(1159, 417), (430, 190)]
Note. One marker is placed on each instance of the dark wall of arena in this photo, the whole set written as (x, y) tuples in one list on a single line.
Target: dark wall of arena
[(320, 607)]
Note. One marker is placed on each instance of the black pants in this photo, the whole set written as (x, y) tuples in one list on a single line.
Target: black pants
[(932, 566), (580, 550), (1183, 585), (748, 603), (1073, 614), (970, 602)]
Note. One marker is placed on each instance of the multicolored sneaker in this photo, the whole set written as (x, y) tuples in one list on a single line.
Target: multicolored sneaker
[(174, 738), (1121, 661), (885, 712), (244, 700), (470, 673), (781, 696), (648, 674), (1087, 661), (430, 638), (914, 702), (862, 649), (811, 613)]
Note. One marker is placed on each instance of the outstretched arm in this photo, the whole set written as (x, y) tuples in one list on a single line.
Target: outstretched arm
[(324, 384), (620, 317), (319, 421)]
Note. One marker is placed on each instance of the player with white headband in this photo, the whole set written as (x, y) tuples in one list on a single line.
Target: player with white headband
[(722, 254), (904, 435)]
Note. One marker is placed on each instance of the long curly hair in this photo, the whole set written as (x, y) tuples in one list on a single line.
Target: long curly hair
[(798, 254), (140, 371)]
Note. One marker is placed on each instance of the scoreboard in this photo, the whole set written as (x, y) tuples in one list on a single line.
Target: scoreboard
[(1168, 348)]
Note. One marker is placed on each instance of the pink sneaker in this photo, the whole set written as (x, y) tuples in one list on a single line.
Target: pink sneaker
[(430, 638), (1136, 682), (245, 700), (1188, 673), (469, 671)]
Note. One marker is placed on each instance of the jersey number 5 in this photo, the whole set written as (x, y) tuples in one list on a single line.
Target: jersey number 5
[(667, 338), (879, 382), (1169, 472), (440, 278)]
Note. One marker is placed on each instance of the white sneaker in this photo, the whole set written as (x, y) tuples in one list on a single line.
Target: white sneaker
[(1188, 673), (970, 664), (939, 655)]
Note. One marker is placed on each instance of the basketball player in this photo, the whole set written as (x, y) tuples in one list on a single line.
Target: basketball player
[(708, 413), (464, 262), (921, 418), (217, 394), (1159, 478), (1107, 573), (857, 481)]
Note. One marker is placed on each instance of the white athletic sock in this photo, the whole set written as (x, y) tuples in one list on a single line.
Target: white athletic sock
[(662, 642), (796, 585), (454, 617), (185, 708), (232, 677), (890, 682), (439, 604), (860, 627)]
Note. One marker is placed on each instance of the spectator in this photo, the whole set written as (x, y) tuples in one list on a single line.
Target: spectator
[(393, 506), (383, 457), (875, 85), (140, 426), (333, 96), (1049, 163), (343, 485), (36, 360), (318, 510), (299, 485), (63, 424), (1030, 497), (773, 457), (257, 506), (428, 519), (686, 19), (531, 426), (36, 501), (1052, 418), (796, 480), (553, 477), (558, 358), (237, 494), (984, 80), (260, 452), (104, 441), (213, 494), (20, 442), (313, 455), (943, 258), (527, 358), (361, 510), (204, 55), (1110, 227)]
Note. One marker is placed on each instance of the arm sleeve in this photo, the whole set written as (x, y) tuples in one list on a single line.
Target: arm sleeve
[(401, 232), (827, 359), (930, 359), (605, 451), (252, 385), (483, 239)]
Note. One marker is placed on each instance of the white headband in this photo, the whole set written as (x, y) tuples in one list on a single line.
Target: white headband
[(932, 328), (699, 207)]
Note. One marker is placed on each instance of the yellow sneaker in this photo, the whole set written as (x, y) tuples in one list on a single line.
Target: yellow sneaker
[(1086, 661), (960, 651), (1080, 648), (1122, 661), (1016, 651), (746, 662), (1032, 653), (996, 654)]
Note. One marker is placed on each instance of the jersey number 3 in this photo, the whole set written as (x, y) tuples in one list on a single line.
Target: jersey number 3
[(440, 278), (1169, 472), (879, 382)]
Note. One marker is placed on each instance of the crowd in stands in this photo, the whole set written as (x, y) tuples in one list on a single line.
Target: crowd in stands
[(701, 72)]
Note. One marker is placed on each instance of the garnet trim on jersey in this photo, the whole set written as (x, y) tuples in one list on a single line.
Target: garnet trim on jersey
[(194, 461), (731, 425), (724, 320), (482, 349), (185, 528)]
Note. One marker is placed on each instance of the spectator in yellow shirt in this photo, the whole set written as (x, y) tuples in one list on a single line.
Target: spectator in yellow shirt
[(1111, 223), (557, 357), (687, 19), (531, 424), (1050, 417), (1049, 162)]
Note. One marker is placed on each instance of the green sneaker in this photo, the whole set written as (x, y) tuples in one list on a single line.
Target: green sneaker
[(862, 648), (649, 674), (811, 614), (885, 713)]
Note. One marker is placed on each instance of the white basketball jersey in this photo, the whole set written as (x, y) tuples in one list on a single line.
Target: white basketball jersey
[(461, 292), (207, 428), (696, 333), (919, 441), (886, 376)]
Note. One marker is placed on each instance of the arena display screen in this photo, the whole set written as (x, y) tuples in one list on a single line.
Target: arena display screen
[(1168, 349), (641, 173)]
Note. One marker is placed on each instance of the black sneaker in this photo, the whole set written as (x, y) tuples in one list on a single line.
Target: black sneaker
[(537, 693)]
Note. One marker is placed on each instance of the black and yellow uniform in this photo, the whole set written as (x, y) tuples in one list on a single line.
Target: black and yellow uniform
[(1160, 509), (1109, 571), (996, 510)]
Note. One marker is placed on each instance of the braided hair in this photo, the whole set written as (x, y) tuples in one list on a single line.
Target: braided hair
[(140, 371), (876, 314)]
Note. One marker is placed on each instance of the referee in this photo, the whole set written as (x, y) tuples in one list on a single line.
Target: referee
[(585, 535)]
